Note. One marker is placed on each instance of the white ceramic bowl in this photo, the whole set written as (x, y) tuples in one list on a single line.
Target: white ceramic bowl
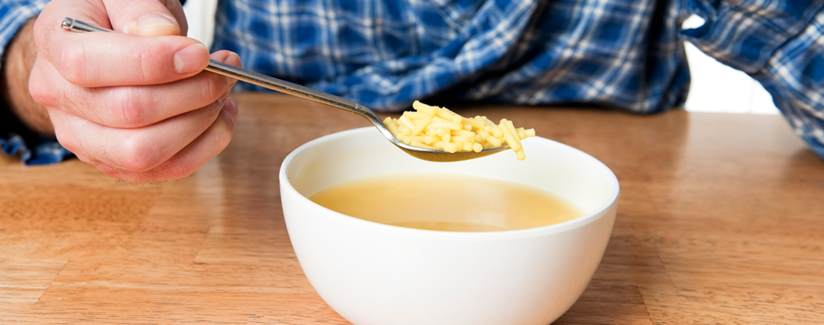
[(375, 274)]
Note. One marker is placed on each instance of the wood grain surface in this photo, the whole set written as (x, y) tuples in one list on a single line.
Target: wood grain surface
[(721, 221)]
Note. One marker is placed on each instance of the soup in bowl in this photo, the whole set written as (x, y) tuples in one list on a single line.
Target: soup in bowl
[(427, 269)]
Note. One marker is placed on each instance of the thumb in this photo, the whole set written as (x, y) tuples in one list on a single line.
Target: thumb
[(142, 17)]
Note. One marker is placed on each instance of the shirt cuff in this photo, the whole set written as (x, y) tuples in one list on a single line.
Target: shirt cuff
[(33, 149), (40, 151)]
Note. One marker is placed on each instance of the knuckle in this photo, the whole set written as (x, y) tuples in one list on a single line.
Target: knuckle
[(217, 87), (212, 89), (145, 56), (144, 66), (137, 155), (128, 108)]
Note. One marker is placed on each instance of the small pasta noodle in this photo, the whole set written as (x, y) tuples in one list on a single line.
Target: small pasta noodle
[(435, 127)]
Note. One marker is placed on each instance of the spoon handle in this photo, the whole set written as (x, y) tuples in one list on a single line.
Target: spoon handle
[(259, 79), (291, 89)]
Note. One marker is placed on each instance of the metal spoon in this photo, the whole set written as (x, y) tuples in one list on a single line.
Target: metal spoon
[(315, 96)]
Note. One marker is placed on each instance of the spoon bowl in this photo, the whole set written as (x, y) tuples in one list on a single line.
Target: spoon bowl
[(315, 96)]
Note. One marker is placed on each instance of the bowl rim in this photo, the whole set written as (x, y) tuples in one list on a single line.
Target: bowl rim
[(565, 226)]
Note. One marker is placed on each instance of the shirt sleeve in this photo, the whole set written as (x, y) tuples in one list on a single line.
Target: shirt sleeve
[(16, 138), (779, 44)]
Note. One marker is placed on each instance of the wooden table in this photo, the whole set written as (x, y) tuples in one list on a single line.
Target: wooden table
[(721, 220)]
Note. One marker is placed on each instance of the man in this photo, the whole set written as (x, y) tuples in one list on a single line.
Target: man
[(134, 104)]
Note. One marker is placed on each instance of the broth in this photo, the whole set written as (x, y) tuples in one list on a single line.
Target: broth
[(447, 203)]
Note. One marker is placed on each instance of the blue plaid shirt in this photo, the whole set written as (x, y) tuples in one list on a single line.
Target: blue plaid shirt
[(626, 54)]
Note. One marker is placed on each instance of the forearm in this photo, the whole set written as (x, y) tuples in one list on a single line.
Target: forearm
[(18, 60)]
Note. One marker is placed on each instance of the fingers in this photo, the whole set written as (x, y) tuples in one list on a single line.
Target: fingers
[(196, 154), (168, 150), (132, 106), (137, 149), (189, 159), (100, 59), (135, 102)]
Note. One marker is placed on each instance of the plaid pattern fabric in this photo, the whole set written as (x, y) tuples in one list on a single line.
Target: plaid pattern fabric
[(617, 53), (386, 54), (779, 43)]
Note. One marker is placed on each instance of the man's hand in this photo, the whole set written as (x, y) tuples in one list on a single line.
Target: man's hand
[(134, 102)]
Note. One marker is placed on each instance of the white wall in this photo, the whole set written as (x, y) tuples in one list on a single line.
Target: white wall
[(201, 17), (718, 88), (715, 87)]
